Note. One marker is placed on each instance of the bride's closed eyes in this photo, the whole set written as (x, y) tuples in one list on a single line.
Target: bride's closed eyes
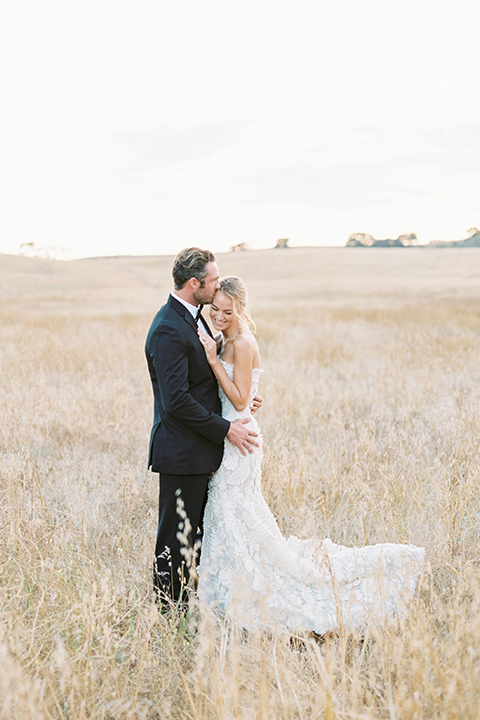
[(216, 309)]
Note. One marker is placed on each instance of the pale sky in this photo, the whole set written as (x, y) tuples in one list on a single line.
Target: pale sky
[(143, 127)]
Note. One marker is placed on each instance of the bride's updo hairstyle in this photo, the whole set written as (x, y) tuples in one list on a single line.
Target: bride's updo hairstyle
[(234, 288)]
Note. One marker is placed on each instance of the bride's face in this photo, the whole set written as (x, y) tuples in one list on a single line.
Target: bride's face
[(222, 313)]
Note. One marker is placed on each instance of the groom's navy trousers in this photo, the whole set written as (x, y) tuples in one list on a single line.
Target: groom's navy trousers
[(186, 442)]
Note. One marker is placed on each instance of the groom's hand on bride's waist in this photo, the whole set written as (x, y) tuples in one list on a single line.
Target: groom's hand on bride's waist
[(240, 436)]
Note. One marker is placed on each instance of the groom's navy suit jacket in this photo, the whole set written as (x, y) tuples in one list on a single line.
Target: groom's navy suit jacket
[(188, 430)]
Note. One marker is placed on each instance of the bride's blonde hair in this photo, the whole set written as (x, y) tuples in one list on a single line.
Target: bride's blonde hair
[(234, 288)]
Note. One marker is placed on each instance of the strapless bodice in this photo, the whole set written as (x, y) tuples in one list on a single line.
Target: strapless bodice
[(228, 411)]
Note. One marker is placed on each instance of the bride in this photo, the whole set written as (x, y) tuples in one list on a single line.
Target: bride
[(249, 571)]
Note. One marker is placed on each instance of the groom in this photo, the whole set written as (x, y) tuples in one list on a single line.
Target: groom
[(186, 442)]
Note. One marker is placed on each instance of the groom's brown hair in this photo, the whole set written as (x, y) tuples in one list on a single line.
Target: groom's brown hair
[(191, 262)]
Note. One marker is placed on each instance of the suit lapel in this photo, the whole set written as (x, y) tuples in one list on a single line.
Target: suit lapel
[(187, 316), (190, 320), (205, 325), (182, 311)]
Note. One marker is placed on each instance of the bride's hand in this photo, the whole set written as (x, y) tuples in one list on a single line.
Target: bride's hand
[(210, 347), (257, 403)]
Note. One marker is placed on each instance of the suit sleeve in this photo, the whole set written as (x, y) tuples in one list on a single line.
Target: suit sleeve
[(170, 360)]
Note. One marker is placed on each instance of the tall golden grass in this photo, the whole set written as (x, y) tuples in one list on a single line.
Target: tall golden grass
[(371, 424)]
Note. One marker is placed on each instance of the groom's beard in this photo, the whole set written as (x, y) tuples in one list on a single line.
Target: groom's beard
[(202, 298)]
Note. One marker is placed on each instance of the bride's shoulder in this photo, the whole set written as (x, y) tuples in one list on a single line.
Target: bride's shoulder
[(245, 342), (245, 346)]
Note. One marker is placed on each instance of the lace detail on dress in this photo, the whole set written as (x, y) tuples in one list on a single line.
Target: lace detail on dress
[(238, 469), (256, 577)]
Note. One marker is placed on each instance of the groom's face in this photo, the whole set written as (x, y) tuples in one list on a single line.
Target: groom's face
[(205, 293)]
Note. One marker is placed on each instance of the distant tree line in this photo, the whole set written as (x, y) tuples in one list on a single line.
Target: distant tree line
[(281, 244), (30, 249), (364, 240), (411, 240)]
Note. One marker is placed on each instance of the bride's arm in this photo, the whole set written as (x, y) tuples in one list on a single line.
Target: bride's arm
[(238, 389)]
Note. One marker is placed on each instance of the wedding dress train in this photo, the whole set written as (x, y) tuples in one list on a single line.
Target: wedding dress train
[(256, 577)]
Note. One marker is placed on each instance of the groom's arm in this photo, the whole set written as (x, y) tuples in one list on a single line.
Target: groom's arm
[(169, 353)]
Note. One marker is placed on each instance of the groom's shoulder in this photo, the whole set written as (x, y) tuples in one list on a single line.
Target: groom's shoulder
[(168, 313), (166, 320)]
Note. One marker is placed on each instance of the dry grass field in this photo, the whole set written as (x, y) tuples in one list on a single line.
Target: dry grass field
[(371, 422)]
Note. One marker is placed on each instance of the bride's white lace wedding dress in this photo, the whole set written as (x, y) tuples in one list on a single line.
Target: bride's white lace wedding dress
[(256, 577)]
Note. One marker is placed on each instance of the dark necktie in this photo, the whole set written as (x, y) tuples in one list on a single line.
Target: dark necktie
[(199, 314)]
